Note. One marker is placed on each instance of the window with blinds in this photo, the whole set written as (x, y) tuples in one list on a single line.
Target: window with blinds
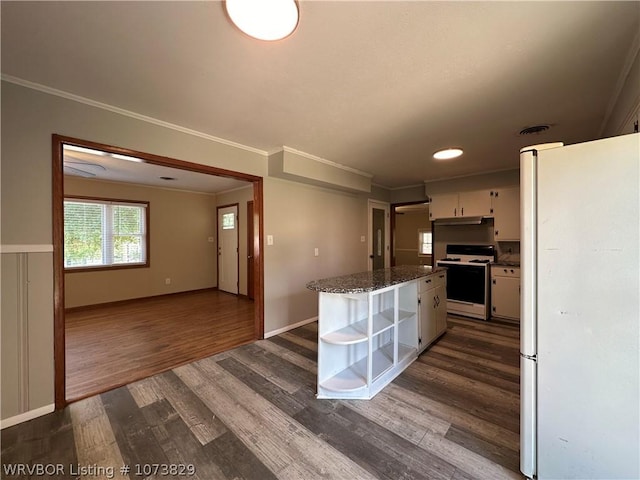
[(104, 233), (425, 242)]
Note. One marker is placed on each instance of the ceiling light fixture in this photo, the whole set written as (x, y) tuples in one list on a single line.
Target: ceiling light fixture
[(91, 151), (264, 19), (127, 158), (447, 153)]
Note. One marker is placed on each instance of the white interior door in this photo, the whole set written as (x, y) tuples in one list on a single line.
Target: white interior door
[(228, 249)]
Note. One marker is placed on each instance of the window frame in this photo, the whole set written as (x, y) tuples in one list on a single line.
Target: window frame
[(420, 242), (115, 266)]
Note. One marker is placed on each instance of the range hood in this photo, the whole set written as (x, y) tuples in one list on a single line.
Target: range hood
[(460, 221)]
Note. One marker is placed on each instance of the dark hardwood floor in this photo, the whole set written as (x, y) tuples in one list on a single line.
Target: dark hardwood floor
[(251, 413), (113, 345)]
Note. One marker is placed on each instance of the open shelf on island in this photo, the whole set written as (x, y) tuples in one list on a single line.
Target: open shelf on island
[(405, 351), (354, 377), (404, 315), (357, 331), (364, 344)]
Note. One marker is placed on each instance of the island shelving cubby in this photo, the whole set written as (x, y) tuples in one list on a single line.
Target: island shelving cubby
[(368, 329), (365, 340)]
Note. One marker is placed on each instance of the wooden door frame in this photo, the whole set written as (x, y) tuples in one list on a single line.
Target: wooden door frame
[(237, 205), (57, 142), (250, 244)]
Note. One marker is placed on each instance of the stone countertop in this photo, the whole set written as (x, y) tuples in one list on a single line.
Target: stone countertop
[(374, 280), (503, 263)]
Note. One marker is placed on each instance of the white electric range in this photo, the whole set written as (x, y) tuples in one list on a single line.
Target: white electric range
[(468, 277)]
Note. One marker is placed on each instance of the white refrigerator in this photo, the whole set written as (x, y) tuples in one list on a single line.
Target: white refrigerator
[(580, 307)]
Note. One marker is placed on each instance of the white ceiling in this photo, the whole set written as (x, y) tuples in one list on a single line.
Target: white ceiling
[(377, 86), (107, 167)]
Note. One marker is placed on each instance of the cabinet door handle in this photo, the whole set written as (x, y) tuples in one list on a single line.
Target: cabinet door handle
[(462, 211), (441, 276), (427, 281), (455, 212), (496, 233)]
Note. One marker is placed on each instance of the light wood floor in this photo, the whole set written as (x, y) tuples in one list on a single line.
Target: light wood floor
[(113, 345), (251, 413)]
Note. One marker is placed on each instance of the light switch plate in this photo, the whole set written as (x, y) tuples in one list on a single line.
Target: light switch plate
[(269, 239)]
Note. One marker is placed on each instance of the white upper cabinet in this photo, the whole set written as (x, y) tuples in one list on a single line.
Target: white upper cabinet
[(506, 214), (475, 204), (443, 206), (464, 204)]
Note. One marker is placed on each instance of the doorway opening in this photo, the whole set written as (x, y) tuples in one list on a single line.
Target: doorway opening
[(228, 251), (132, 158), (379, 235), (411, 234)]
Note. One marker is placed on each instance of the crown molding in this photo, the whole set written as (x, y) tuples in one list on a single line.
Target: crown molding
[(325, 161), (633, 53), (456, 177), (127, 113)]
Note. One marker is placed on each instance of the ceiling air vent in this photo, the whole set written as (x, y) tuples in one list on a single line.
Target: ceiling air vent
[(534, 130)]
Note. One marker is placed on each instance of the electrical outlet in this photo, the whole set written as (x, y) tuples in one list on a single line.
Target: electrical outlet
[(269, 239), (167, 281), (363, 238)]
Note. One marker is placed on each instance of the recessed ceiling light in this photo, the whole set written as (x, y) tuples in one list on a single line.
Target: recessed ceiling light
[(75, 148), (447, 153), (127, 158), (264, 19)]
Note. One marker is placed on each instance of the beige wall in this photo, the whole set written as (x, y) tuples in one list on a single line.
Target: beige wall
[(180, 225), (300, 217), (26, 339), (240, 196), (406, 237)]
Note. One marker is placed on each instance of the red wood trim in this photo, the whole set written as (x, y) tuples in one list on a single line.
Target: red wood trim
[(249, 240), (159, 159), (258, 258), (58, 239), (58, 273)]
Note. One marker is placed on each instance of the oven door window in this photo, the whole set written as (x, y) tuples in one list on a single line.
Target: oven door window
[(466, 283)]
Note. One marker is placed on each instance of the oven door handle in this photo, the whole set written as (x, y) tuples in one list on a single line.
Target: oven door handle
[(460, 301)]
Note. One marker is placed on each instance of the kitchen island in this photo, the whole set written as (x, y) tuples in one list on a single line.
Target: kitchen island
[(369, 327)]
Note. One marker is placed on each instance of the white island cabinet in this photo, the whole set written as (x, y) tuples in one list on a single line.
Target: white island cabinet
[(367, 330)]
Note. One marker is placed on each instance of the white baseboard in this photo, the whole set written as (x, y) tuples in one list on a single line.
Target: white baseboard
[(26, 416), (272, 333)]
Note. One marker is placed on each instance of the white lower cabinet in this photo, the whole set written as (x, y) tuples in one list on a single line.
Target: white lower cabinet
[(505, 292), (432, 307), (365, 340)]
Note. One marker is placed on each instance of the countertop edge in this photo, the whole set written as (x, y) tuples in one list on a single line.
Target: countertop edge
[(365, 282)]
